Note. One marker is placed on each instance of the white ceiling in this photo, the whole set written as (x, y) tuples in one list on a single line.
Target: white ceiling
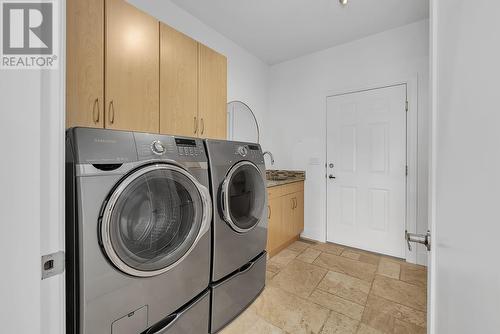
[(279, 30)]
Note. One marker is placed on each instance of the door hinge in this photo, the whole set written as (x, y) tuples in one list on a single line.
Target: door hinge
[(406, 170), (406, 105), (53, 264)]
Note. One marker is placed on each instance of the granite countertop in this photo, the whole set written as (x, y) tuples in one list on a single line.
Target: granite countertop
[(281, 177)]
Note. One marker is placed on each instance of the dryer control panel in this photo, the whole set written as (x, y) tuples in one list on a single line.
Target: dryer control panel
[(249, 151)]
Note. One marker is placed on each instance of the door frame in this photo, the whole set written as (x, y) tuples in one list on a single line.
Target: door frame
[(411, 82)]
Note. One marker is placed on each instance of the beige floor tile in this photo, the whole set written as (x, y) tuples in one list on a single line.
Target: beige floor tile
[(337, 304), (389, 268), (414, 266), (364, 271), (393, 259), (329, 288), (309, 255), (299, 278), (299, 246), (365, 329), (339, 324), (383, 322), (396, 310), (401, 327), (329, 248), (351, 254), (273, 267), (414, 275), (369, 258), (345, 286), (400, 292), (249, 323), (269, 275), (284, 257), (361, 255), (289, 312)]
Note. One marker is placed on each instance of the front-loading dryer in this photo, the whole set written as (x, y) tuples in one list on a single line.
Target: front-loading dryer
[(239, 194), (239, 228), (137, 231)]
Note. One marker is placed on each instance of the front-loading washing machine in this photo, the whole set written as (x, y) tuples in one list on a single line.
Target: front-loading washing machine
[(239, 228), (137, 233)]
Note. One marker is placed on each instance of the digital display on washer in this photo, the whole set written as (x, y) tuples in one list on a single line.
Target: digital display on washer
[(253, 147), (185, 142)]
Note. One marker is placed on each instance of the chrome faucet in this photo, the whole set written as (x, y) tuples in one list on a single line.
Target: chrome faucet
[(270, 156)]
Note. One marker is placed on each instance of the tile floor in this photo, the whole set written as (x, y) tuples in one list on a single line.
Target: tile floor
[(327, 288)]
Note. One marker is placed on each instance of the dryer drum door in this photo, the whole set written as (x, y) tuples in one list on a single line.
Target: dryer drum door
[(153, 220), (243, 197)]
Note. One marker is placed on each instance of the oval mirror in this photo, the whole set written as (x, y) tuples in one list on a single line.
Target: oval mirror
[(241, 123)]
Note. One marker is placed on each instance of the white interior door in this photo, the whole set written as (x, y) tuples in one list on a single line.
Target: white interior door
[(366, 170)]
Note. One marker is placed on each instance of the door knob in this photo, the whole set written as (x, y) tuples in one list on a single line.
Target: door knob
[(331, 176)]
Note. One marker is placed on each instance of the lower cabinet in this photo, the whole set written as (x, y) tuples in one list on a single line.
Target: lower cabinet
[(285, 216), (274, 227)]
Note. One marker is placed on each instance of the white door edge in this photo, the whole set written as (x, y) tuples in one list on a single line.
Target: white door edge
[(431, 271)]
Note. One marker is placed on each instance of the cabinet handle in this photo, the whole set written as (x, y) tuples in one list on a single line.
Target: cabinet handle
[(268, 212), (293, 203), (195, 124), (111, 112), (202, 126), (94, 108)]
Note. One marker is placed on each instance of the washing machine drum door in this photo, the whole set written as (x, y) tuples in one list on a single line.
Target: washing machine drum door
[(153, 219), (243, 197)]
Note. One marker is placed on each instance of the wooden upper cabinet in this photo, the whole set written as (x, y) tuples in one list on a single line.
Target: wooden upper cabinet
[(85, 63), (127, 71), (132, 68), (212, 95), (178, 83)]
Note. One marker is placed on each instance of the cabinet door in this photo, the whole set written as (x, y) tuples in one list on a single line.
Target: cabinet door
[(178, 83), (212, 74), (299, 213), (274, 231), (132, 68), (85, 63), (288, 225)]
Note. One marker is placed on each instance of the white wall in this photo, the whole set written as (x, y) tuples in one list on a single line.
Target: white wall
[(247, 75), (294, 127), (465, 270)]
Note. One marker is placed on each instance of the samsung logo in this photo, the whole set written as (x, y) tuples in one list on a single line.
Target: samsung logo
[(104, 141)]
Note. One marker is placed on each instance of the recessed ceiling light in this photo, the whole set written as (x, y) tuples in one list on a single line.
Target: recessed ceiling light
[(343, 2)]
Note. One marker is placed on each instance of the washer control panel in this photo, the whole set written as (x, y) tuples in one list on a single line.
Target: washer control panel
[(164, 147), (158, 147), (188, 147)]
